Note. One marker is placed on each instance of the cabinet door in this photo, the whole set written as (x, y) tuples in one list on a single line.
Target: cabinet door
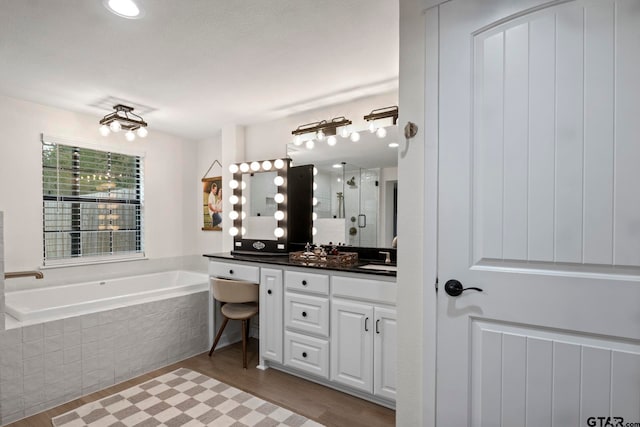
[(271, 320), (384, 353), (352, 330)]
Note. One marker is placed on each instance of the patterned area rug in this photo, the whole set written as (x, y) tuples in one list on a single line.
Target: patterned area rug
[(181, 398)]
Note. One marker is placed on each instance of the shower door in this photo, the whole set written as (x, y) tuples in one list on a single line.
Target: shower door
[(360, 190)]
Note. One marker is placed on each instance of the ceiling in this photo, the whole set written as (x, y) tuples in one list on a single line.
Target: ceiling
[(198, 64)]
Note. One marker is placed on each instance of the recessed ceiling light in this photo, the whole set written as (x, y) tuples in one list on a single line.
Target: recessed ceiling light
[(124, 8), (394, 145)]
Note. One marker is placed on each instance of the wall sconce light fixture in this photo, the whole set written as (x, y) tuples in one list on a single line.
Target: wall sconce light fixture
[(123, 118), (321, 130), (380, 118)]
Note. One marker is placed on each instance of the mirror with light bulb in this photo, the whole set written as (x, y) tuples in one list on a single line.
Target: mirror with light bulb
[(355, 184), (264, 222)]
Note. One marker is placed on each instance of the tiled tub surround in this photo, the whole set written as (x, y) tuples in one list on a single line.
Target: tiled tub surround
[(46, 364)]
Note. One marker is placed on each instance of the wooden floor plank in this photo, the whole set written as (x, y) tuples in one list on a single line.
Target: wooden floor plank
[(319, 403)]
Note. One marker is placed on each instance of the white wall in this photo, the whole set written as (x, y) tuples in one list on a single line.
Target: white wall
[(171, 186)]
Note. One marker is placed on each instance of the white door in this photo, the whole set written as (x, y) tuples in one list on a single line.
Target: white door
[(352, 344), (539, 206), (385, 349)]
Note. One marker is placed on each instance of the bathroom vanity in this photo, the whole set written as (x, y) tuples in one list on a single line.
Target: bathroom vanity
[(332, 325)]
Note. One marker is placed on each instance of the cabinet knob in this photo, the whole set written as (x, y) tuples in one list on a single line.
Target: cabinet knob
[(366, 328), (304, 354), (269, 291), (230, 271), (377, 327), (304, 314), (304, 283)]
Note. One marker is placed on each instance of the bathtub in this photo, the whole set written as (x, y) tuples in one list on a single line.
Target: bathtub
[(57, 302)]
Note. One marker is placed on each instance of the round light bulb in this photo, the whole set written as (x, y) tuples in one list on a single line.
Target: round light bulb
[(104, 130), (355, 137), (314, 216), (279, 215), (279, 163), (243, 200), (315, 201), (279, 198), (266, 165), (243, 231), (278, 232), (332, 140), (372, 127), (344, 132), (233, 231), (278, 180), (130, 135), (314, 231), (310, 144), (320, 135), (115, 126), (255, 166), (233, 184), (315, 186), (244, 167), (233, 200), (233, 215), (243, 185), (297, 140), (381, 132), (243, 215), (315, 171), (233, 168), (142, 132)]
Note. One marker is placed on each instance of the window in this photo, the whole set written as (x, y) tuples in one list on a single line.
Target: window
[(92, 204)]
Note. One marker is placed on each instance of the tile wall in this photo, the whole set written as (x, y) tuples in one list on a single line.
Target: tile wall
[(47, 364)]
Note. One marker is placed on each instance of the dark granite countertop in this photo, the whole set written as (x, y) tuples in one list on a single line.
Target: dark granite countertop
[(284, 260)]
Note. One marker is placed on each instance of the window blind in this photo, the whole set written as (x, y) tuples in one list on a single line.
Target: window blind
[(92, 204)]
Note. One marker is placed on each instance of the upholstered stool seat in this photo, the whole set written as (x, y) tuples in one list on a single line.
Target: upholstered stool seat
[(239, 302), (239, 311)]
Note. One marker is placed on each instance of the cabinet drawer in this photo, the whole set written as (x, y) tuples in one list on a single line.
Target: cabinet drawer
[(307, 313), (308, 282), (229, 270), (307, 354)]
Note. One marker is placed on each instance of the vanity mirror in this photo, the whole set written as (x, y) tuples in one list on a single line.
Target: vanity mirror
[(263, 219), (355, 187)]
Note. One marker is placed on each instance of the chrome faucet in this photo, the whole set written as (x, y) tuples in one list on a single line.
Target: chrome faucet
[(16, 274), (387, 260)]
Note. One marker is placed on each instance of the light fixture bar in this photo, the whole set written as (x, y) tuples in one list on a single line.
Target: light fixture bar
[(328, 128), (383, 113)]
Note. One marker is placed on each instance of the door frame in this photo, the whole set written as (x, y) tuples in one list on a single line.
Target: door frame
[(418, 213)]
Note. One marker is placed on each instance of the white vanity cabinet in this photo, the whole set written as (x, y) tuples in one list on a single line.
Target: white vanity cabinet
[(332, 327), (271, 329), (306, 321), (364, 335)]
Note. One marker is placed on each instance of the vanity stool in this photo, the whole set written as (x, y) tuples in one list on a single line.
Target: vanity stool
[(239, 301)]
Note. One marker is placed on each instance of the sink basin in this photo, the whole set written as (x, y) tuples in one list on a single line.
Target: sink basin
[(379, 267)]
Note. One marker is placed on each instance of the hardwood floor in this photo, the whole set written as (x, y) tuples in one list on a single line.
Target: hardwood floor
[(322, 404)]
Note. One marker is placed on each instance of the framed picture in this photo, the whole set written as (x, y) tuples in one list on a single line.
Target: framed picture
[(212, 203)]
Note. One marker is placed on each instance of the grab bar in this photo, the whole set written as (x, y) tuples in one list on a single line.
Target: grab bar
[(17, 274)]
